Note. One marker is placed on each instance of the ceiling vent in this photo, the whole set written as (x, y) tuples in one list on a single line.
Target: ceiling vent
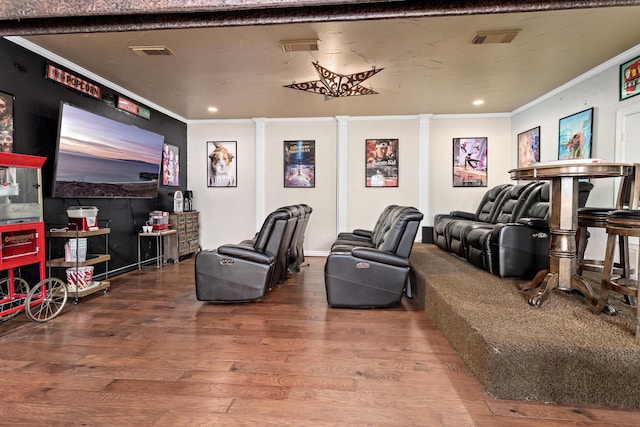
[(151, 50), (488, 37), (309, 45)]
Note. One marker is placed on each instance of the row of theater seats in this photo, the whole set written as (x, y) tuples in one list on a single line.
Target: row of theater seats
[(370, 268), (508, 234), (244, 272)]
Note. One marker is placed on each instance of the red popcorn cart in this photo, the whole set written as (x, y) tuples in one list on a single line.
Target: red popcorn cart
[(22, 237)]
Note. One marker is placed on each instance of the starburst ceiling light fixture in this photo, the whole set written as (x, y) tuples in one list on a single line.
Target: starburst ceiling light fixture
[(334, 85)]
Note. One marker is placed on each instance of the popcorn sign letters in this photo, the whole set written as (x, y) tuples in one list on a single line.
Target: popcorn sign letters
[(72, 81)]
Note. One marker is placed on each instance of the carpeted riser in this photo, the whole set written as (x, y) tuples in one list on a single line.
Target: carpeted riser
[(559, 353)]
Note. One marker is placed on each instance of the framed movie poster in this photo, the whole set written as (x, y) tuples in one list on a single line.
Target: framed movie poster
[(170, 165), (381, 162), (470, 162), (630, 78), (221, 164), (299, 164), (529, 147), (574, 141), (6, 122)]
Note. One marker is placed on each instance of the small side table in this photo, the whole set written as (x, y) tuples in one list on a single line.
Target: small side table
[(159, 236)]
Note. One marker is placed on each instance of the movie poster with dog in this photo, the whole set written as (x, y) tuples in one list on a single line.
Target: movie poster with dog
[(221, 164), (299, 164), (170, 165), (382, 162)]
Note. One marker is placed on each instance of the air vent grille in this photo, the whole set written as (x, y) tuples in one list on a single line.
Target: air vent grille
[(151, 50), (308, 45), (489, 37)]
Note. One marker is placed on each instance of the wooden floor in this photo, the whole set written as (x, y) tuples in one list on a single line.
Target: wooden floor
[(148, 354)]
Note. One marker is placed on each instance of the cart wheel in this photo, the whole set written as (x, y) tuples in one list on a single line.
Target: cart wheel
[(20, 291), (46, 299)]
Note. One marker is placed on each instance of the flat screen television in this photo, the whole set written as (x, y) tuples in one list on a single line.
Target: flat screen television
[(98, 157)]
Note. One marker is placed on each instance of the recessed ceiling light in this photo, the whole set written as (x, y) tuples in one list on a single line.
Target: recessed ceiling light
[(478, 102), (212, 109)]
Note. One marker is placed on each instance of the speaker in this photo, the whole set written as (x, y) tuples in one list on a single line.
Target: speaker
[(427, 234)]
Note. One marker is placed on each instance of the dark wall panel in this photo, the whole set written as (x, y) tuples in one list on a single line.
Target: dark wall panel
[(36, 109)]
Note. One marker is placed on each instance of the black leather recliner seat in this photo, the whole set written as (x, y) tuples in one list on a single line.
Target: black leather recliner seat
[(296, 252), (364, 237), (506, 255), (374, 276), (521, 248), (514, 242), (507, 206), (483, 214), (244, 272)]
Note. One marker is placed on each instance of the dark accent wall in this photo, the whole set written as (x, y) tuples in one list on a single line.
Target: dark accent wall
[(36, 109)]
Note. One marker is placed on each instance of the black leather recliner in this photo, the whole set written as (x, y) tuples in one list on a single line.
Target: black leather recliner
[(374, 277), (517, 244), (281, 269), (508, 202), (296, 250), (244, 272), (364, 237), (521, 249), (486, 207), (497, 250)]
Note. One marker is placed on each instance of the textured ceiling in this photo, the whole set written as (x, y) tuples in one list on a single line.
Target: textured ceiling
[(430, 65)]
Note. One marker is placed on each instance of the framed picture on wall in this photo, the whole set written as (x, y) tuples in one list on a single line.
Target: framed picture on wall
[(300, 164), (221, 164), (630, 78), (170, 165), (381, 162), (470, 162), (6, 122), (529, 147), (574, 141)]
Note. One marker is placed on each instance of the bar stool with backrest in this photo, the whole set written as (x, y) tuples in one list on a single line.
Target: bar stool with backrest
[(621, 223), (625, 222), (596, 217)]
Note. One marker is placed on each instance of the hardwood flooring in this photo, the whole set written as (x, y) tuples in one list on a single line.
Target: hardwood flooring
[(147, 353)]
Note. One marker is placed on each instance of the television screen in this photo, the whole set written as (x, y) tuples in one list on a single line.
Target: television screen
[(100, 157)]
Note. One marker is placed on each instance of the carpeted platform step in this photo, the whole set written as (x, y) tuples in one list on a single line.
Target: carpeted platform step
[(560, 352)]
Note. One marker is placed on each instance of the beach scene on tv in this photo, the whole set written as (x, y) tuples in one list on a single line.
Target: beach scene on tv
[(101, 157)]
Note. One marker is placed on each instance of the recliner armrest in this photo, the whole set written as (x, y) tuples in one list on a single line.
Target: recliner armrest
[(247, 253), (363, 233), (380, 256), (353, 237), (537, 223), (463, 214)]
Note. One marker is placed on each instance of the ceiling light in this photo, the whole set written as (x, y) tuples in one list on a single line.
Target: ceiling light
[(478, 102), (334, 85), (212, 109)]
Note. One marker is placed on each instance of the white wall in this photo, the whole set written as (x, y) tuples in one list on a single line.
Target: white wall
[(226, 214), (365, 204), (321, 228)]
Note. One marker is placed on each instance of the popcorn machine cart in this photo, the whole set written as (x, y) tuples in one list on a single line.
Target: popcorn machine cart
[(22, 236)]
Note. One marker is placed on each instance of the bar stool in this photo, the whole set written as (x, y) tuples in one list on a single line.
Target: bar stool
[(625, 223), (596, 217)]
